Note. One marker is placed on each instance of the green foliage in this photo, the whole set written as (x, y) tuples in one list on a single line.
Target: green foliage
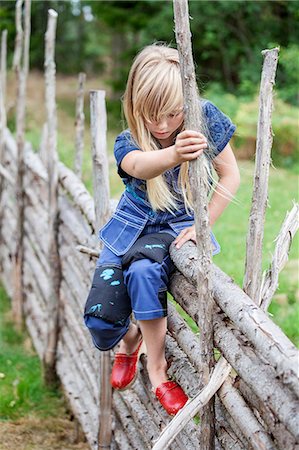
[(244, 112), (21, 386), (228, 36)]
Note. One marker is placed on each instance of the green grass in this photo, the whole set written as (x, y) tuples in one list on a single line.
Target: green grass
[(231, 230), (21, 386)]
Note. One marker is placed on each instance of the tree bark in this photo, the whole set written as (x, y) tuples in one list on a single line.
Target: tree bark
[(192, 121), (79, 143), (102, 212), (21, 67), (49, 361), (253, 263)]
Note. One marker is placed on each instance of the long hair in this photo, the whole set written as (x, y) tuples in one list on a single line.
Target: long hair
[(153, 91)]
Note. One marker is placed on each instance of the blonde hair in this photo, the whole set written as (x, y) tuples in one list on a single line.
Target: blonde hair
[(153, 91)]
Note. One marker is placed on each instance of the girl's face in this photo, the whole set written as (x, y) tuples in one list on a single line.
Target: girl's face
[(165, 129)]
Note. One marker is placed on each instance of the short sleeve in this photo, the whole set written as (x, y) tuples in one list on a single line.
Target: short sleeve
[(124, 144), (220, 127)]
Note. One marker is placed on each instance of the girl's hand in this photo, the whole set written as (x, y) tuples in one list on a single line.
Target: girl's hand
[(189, 145), (188, 234)]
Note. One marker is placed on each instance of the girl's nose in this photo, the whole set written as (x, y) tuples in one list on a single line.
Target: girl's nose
[(162, 124)]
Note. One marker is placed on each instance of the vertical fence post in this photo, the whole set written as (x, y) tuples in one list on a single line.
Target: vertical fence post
[(79, 144), (49, 360), (255, 234), (21, 62), (3, 65), (200, 202), (102, 210), (3, 120)]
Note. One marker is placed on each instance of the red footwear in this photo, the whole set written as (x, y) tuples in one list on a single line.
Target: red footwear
[(124, 370), (171, 396)]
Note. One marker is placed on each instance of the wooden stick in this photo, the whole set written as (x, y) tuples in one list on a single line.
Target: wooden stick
[(266, 336), (22, 47), (79, 143), (281, 435), (280, 256), (3, 65), (102, 211), (253, 263), (87, 251), (98, 124), (197, 176), (3, 76), (220, 373), (49, 361), (6, 174), (79, 193), (244, 417)]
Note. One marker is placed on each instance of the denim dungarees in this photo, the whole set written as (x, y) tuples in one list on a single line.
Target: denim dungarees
[(145, 280)]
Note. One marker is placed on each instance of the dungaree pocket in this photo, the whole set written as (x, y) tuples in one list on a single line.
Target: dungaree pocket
[(124, 227)]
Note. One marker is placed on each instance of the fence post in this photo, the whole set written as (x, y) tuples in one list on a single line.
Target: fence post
[(200, 201), (255, 234), (49, 359), (98, 124), (21, 65), (79, 144), (3, 121)]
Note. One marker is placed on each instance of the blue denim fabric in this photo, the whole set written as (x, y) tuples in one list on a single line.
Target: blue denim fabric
[(134, 214), (146, 282), (130, 219)]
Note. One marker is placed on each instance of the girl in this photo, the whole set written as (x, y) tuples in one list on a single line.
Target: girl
[(133, 270)]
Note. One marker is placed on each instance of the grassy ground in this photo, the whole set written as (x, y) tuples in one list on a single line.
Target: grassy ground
[(32, 417)]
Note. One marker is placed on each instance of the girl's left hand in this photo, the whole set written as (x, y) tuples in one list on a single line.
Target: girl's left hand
[(188, 234)]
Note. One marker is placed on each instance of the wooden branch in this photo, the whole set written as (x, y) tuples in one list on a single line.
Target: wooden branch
[(259, 376), (98, 124), (21, 73), (19, 37), (3, 65), (280, 257), (49, 362), (188, 438), (79, 143), (102, 211), (197, 175), (186, 339), (186, 294), (227, 431), (282, 436), (125, 417), (253, 264), (267, 337), (79, 193), (88, 251), (219, 374), (6, 174), (244, 417), (3, 76)]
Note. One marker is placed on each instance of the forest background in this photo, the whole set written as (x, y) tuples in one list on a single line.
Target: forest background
[(101, 38)]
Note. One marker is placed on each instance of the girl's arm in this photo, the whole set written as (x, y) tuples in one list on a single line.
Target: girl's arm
[(229, 180), (146, 165)]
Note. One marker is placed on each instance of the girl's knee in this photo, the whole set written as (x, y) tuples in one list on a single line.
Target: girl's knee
[(105, 335), (142, 267)]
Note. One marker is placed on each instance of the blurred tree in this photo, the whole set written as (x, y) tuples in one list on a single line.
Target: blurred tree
[(228, 37)]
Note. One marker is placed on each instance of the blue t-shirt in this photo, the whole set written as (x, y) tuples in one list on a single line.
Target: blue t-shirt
[(220, 129)]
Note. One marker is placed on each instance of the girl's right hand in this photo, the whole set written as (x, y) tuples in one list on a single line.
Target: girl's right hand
[(189, 145)]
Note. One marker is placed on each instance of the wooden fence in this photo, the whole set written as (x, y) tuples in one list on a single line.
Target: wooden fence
[(256, 403)]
